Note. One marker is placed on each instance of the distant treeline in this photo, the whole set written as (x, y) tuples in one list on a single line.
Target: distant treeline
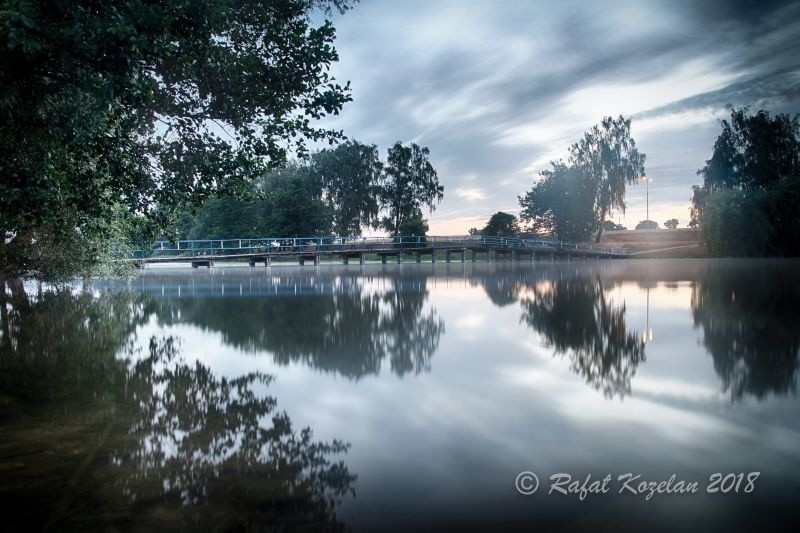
[(337, 191)]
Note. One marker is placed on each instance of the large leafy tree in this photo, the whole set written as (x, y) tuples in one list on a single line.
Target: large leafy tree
[(501, 225), (608, 156), (295, 205), (749, 202), (574, 198), (410, 183), (144, 105), (561, 203), (753, 151), (350, 175)]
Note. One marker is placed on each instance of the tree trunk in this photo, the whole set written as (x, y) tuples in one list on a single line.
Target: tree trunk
[(600, 232)]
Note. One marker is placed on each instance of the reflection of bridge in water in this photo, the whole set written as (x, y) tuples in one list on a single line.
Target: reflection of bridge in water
[(302, 249)]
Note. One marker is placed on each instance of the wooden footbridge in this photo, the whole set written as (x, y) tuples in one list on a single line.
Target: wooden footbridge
[(314, 249)]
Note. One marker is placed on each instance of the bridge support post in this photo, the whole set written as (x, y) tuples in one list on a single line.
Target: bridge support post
[(399, 257), (316, 260), (419, 257), (463, 255), (552, 256), (433, 256), (267, 261), (302, 261), (474, 256), (383, 259), (533, 255), (252, 262), (345, 260), (513, 255), (361, 258), (447, 256)]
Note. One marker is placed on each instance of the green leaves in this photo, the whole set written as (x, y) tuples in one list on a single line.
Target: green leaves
[(749, 203), (574, 198), (410, 183), (152, 105)]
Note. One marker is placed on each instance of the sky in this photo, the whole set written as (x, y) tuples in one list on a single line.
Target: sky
[(497, 89)]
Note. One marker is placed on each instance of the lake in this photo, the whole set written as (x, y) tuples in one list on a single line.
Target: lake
[(398, 397)]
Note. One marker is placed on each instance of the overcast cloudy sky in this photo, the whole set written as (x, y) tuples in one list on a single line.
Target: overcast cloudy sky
[(497, 89)]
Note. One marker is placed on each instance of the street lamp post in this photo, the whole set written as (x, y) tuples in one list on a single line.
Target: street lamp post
[(647, 180)]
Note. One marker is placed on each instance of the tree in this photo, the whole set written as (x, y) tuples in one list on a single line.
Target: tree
[(561, 203), (647, 224), (671, 223), (501, 225), (295, 207), (749, 202), (474, 231), (609, 225), (147, 106), (410, 183), (753, 151), (350, 176), (608, 156), (414, 227)]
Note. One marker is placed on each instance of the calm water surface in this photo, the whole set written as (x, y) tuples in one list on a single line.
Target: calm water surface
[(403, 397)]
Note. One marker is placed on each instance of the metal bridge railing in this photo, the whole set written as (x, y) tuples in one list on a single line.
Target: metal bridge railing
[(300, 245)]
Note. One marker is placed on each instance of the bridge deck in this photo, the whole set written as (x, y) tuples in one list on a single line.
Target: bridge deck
[(304, 249)]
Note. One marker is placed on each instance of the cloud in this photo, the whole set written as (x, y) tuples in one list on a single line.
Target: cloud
[(498, 89), (470, 195)]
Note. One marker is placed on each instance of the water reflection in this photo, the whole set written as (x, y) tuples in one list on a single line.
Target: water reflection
[(575, 317), (345, 324), (99, 434), (750, 320)]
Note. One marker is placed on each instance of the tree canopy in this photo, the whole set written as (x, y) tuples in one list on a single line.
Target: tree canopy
[(647, 224), (350, 176), (749, 202), (118, 110), (410, 183), (573, 199), (501, 225), (608, 156), (562, 203)]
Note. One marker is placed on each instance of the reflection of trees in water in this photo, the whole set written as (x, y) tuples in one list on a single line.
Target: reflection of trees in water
[(94, 441), (751, 327), (350, 331), (206, 443), (574, 317)]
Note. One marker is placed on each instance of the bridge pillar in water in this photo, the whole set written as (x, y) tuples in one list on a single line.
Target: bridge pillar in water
[(474, 255), (552, 256), (345, 260), (513, 255), (302, 261), (533, 255), (399, 257), (383, 259), (361, 258), (433, 256), (316, 260), (447, 256), (252, 262), (419, 257), (463, 255), (267, 261)]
